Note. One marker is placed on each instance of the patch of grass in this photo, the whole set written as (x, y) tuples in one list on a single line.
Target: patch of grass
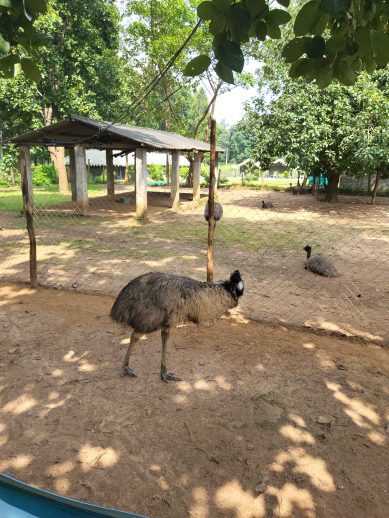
[(277, 184), (74, 243), (11, 198)]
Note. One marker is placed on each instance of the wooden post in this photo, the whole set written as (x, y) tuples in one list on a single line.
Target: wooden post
[(175, 179), (72, 173), (110, 175), (217, 172), (81, 178), (25, 172), (126, 181), (141, 183), (211, 203), (196, 176)]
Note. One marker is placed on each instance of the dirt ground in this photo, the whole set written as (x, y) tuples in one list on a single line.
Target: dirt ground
[(267, 422), (101, 253)]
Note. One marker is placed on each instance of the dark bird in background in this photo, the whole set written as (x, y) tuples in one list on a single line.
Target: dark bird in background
[(319, 263), (218, 211), (267, 204), (160, 301)]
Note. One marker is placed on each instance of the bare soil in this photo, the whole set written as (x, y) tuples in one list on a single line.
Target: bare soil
[(267, 422)]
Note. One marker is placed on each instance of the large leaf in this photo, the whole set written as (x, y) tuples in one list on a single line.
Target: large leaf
[(31, 70), (4, 46), (225, 73), (36, 6), (301, 67), (324, 76), (255, 7), (7, 65), (230, 54), (294, 49), (380, 44), (344, 72), (336, 44), (206, 10), (335, 7), (273, 31), (240, 23), (363, 39), (222, 4), (260, 30), (278, 17), (284, 3), (217, 24), (315, 47), (307, 18), (197, 65), (5, 3)]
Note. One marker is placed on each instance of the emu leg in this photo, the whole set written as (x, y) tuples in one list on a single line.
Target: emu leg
[(165, 375), (126, 369)]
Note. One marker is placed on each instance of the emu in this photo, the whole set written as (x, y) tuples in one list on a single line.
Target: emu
[(267, 204), (218, 211), (159, 301), (319, 263)]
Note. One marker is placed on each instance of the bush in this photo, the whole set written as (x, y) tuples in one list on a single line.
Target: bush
[(156, 172), (44, 174), (8, 170)]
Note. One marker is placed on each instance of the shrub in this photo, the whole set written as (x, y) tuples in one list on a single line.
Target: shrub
[(8, 170), (156, 172), (44, 174)]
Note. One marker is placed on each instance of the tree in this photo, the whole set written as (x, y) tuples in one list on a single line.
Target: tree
[(333, 39)]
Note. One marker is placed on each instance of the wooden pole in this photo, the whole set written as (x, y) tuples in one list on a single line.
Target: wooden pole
[(211, 203), (25, 172)]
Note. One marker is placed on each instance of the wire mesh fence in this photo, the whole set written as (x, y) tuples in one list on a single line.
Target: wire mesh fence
[(102, 251)]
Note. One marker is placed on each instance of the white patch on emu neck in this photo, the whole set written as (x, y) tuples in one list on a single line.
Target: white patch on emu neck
[(240, 285)]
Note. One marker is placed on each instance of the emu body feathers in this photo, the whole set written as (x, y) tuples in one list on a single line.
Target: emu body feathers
[(319, 263)]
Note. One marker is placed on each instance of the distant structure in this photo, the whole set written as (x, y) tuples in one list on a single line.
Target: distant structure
[(248, 166), (278, 166)]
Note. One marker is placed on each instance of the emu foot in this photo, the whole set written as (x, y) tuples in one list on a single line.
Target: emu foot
[(168, 376), (128, 371)]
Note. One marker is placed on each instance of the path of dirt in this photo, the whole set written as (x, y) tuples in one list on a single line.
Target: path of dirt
[(267, 422)]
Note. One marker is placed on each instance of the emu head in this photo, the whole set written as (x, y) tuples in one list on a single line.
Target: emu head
[(308, 249), (263, 204), (237, 283)]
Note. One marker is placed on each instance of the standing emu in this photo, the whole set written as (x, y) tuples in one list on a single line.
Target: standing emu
[(163, 300), (319, 263)]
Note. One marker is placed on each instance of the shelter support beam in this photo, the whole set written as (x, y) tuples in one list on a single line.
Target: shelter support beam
[(26, 175), (110, 175), (175, 179), (141, 183), (72, 173), (81, 178), (196, 176)]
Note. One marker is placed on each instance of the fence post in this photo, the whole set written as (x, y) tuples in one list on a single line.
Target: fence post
[(196, 176), (81, 178), (211, 203), (72, 173), (175, 179), (141, 183), (110, 175), (26, 175)]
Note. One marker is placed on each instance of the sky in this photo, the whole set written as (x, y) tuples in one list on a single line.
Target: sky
[(230, 105)]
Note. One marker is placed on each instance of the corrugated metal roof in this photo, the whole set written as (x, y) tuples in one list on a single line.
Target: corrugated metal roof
[(135, 135)]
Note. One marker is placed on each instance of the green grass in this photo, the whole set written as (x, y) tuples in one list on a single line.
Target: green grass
[(278, 184), (11, 197)]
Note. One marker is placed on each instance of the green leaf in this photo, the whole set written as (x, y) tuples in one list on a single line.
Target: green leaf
[(273, 31), (260, 30), (4, 46), (344, 73), (315, 47), (230, 54), (197, 65), (277, 17), (362, 37), (335, 7), (324, 76), (284, 3), (206, 11), (5, 3), (240, 23), (7, 65), (31, 70), (222, 4), (294, 49), (380, 44), (307, 18), (336, 44), (217, 24), (255, 7), (301, 67), (225, 73), (36, 6)]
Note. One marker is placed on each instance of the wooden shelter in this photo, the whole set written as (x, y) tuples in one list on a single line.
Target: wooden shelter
[(78, 133)]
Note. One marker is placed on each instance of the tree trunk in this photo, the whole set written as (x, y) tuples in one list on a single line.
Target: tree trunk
[(57, 155), (369, 183), (332, 189), (376, 186), (189, 178)]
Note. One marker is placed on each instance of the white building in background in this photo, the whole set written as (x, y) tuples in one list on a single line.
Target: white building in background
[(97, 157)]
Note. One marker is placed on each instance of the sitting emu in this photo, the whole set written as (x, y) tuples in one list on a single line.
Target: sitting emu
[(267, 204), (319, 263), (163, 300)]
